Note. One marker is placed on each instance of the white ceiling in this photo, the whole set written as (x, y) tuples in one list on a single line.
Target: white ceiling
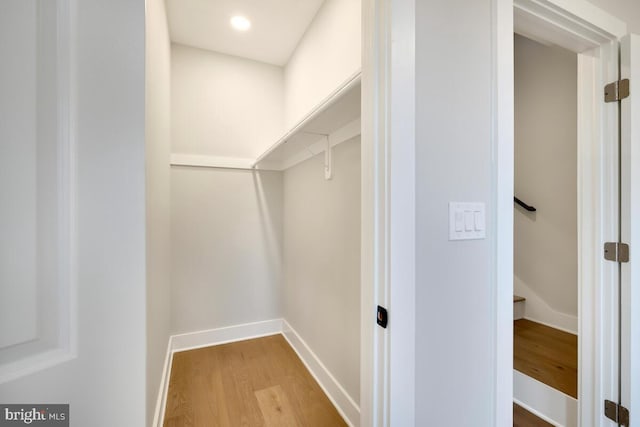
[(276, 26)]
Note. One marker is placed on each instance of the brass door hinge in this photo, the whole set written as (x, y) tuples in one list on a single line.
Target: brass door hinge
[(614, 251), (616, 91), (616, 413)]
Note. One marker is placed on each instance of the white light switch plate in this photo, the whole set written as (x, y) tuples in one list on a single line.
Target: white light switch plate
[(467, 221)]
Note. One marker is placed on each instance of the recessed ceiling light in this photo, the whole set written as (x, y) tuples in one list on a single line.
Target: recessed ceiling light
[(240, 23)]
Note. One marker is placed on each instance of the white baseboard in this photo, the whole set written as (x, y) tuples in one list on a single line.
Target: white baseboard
[(545, 402), (537, 309), (344, 404), (209, 337), (551, 325), (161, 402)]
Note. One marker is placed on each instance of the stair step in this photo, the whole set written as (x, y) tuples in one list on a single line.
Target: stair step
[(518, 307)]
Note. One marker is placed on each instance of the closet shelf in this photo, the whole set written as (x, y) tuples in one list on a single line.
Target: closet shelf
[(336, 119)]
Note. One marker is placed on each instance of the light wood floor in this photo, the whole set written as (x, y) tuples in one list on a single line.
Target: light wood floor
[(546, 354), (524, 418), (259, 382)]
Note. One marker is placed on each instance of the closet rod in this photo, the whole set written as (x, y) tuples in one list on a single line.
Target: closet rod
[(524, 205)]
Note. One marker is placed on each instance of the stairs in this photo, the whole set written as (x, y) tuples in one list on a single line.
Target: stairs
[(518, 307), (545, 375)]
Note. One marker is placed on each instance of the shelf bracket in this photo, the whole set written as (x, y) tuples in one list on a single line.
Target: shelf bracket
[(327, 159), (328, 170)]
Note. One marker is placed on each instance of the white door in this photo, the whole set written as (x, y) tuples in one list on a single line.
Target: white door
[(630, 230), (72, 210)]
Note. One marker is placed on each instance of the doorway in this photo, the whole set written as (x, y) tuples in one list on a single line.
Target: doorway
[(593, 35), (546, 268), (265, 213)]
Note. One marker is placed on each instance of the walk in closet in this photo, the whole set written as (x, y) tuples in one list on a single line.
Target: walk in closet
[(265, 205)]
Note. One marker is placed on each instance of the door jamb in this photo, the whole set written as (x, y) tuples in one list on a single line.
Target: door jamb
[(388, 213), (373, 341), (630, 297)]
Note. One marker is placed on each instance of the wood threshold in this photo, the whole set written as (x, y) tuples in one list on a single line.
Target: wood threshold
[(257, 382)]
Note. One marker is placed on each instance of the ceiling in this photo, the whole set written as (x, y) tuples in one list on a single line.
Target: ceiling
[(276, 26)]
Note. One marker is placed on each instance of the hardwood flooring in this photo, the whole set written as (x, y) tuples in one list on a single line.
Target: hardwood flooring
[(546, 354), (258, 382), (524, 418)]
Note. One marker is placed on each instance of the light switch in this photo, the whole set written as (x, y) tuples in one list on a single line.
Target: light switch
[(459, 221), (478, 217), (466, 221)]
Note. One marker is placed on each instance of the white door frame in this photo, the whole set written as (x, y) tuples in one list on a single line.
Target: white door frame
[(630, 177), (593, 34), (388, 212), (373, 342)]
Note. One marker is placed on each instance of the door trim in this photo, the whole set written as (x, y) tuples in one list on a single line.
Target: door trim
[(374, 342)]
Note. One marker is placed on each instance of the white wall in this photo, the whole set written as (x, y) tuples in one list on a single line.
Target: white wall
[(105, 383), (226, 238), (322, 260), (222, 105), (157, 146), (625, 10), (455, 286), (226, 225), (546, 241), (326, 56), (537, 309)]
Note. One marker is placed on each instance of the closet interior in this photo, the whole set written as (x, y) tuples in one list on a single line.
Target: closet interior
[(264, 211)]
